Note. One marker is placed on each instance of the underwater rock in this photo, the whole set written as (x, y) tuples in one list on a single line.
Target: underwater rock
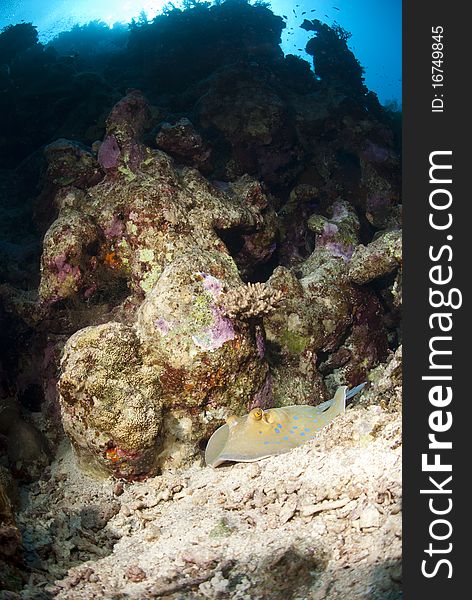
[(326, 326), (386, 383), (365, 345), (202, 260), (182, 141), (26, 448), (143, 245), (71, 163), (10, 536), (134, 398), (379, 258), (252, 248), (297, 241), (123, 231), (251, 120), (66, 261), (380, 185), (334, 62), (7, 496), (149, 230), (336, 235), (109, 401), (209, 365), (247, 112), (125, 127)]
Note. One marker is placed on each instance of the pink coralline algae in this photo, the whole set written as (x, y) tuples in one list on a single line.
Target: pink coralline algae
[(212, 284), (129, 117), (264, 398), (115, 228), (215, 336), (375, 153), (163, 325), (329, 239), (183, 141), (109, 153), (64, 269), (90, 291)]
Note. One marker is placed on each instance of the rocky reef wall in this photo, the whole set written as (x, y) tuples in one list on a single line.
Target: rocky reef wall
[(201, 242)]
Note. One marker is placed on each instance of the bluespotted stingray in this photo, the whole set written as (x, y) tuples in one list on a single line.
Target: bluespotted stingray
[(263, 433)]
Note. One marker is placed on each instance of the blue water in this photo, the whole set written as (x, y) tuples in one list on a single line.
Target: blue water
[(375, 27)]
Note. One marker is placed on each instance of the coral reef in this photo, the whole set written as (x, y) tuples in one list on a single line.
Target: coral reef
[(127, 224), (193, 225), (326, 326)]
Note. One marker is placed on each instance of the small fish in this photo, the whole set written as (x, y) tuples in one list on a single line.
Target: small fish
[(263, 433), (336, 8), (285, 16)]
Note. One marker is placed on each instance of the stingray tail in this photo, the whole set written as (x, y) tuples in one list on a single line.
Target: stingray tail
[(355, 390)]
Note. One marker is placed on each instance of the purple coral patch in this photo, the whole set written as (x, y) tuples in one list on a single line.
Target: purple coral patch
[(264, 397), (115, 228), (260, 343), (212, 284), (330, 240), (215, 336), (64, 269), (163, 325), (109, 152)]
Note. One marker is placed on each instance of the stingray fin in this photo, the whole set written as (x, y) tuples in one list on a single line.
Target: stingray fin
[(216, 445), (338, 404)]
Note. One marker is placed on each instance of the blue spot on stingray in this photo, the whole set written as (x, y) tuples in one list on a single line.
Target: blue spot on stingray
[(265, 443), (279, 425), (306, 429), (295, 417), (276, 431), (285, 438), (302, 433)]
